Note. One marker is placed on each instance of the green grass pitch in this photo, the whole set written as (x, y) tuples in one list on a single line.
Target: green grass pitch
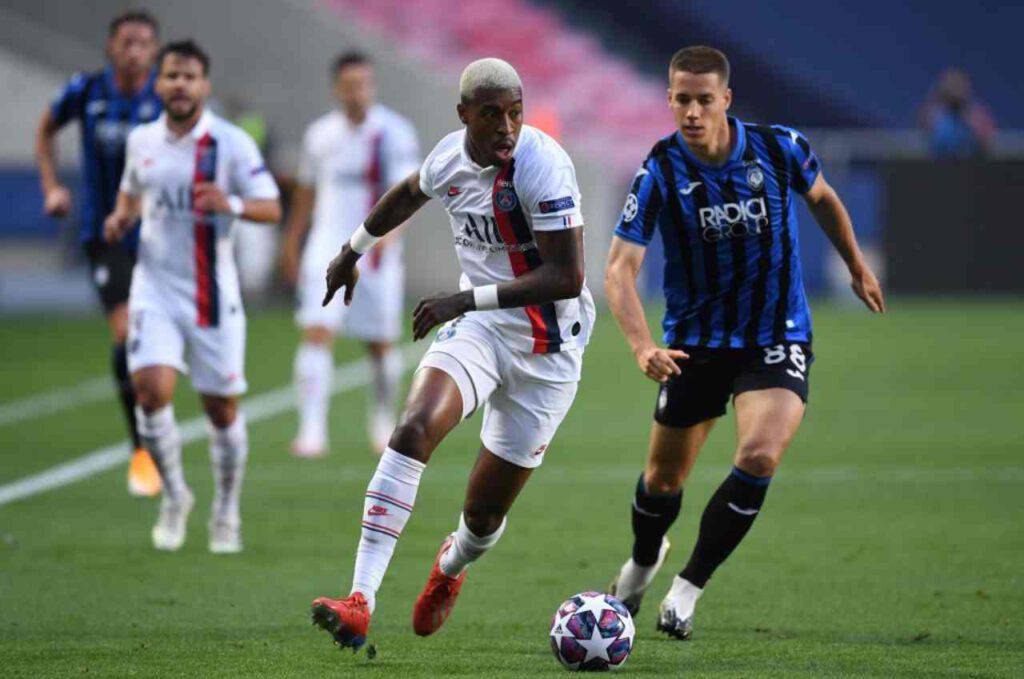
[(892, 541)]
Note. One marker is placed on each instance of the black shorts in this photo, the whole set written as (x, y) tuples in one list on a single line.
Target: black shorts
[(111, 268), (711, 376)]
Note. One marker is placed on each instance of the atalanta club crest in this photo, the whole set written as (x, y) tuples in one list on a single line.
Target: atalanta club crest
[(755, 177), (506, 200)]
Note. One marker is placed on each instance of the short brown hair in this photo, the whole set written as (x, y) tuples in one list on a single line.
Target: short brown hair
[(700, 59), (133, 16)]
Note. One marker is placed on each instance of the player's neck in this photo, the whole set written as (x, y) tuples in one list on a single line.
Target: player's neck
[(718, 149), (130, 83), (355, 116), (179, 128)]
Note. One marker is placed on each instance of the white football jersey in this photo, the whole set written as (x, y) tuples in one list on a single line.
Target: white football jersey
[(185, 258), (494, 212), (350, 167)]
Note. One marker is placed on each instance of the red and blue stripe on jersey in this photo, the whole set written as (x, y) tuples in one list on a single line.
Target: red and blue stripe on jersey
[(732, 268), (515, 231), (204, 232)]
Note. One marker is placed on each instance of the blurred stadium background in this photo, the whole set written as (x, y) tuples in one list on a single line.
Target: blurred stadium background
[(899, 528), (594, 73)]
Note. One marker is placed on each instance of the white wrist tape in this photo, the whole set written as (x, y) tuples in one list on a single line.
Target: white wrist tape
[(236, 205), (362, 240), (485, 297)]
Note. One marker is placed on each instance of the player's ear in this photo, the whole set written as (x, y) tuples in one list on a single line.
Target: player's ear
[(728, 98), (460, 109)]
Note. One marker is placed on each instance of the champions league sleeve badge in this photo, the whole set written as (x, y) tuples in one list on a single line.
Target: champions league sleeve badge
[(629, 210)]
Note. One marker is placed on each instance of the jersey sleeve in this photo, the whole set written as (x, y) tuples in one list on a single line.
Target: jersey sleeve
[(69, 104), (644, 203), (130, 184), (804, 166), (305, 173), (250, 177), (549, 191), (402, 150), (427, 171)]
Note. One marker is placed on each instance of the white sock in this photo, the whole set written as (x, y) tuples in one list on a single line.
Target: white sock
[(387, 373), (313, 370), (159, 433), (229, 450), (388, 505), (467, 547)]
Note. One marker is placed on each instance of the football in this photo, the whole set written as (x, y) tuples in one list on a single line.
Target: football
[(592, 631)]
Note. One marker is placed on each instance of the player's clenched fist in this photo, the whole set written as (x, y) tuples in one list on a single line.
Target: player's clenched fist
[(658, 363), (116, 225), (434, 311), (342, 273), (57, 202), (209, 198)]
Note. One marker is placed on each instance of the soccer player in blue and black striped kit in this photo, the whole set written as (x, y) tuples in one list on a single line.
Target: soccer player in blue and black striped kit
[(720, 192), (107, 104)]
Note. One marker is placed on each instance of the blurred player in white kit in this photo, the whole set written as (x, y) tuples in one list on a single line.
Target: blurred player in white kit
[(350, 157), (189, 175)]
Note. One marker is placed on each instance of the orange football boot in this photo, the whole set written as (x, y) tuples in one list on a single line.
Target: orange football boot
[(143, 476), (435, 602), (347, 620)]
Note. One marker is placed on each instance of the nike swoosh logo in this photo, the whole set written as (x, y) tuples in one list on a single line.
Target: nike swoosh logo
[(687, 190), (744, 512)]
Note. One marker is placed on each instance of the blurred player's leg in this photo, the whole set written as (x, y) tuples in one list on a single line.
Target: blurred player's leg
[(387, 375), (313, 371), (154, 387), (766, 421), (229, 451)]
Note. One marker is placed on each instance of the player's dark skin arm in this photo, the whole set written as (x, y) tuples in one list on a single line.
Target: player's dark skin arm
[(560, 276), (831, 215)]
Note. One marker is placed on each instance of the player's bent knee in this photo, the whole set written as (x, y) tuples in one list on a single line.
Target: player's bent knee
[(415, 436), (221, 411), (758, 458), (661, 481)]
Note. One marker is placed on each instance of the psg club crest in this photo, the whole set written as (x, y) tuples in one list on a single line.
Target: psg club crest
[(506, 199), (755, 177)]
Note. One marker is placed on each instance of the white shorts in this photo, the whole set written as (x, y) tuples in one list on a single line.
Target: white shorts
[(525, 396), (214, 357), (376, 311)]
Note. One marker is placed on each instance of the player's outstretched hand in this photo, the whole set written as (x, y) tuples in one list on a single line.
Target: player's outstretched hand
[(115, 226), (867, 287), (342, 273), (659, 363), (434, 311), (57, 202)]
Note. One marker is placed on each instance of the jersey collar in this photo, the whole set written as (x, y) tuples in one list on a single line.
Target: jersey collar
[(735, 157), (201, 127)]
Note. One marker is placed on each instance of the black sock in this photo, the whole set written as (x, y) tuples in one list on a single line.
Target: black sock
[(727, 518), (653, 514), (123, 381)]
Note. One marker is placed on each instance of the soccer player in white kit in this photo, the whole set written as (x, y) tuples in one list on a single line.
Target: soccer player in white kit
[(188, 175), (512, 343), (350, 156)]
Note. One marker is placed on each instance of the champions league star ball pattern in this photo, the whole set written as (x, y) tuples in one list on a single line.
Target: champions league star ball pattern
[(592, 631)]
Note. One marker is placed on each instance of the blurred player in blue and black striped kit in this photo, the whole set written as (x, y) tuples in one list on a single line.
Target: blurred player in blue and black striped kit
[(737, 325), (107, 104)]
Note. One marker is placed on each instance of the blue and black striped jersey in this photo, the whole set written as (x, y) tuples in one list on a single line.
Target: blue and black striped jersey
[(732, 265), (105, 116)]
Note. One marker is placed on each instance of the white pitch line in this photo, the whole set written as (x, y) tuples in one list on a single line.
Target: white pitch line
[(50, 402), (347, 377)]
